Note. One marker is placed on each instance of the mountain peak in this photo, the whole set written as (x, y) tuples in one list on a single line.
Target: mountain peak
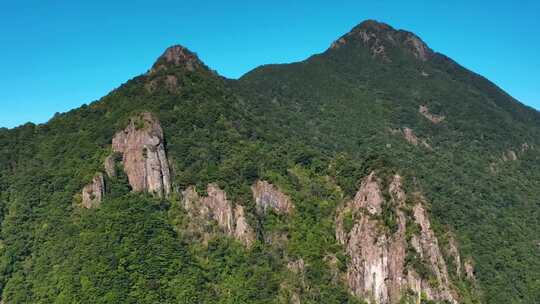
[(379, 37), (177, 56), (373, 25)]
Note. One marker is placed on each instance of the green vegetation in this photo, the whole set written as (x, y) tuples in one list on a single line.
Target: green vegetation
[(313, 128)]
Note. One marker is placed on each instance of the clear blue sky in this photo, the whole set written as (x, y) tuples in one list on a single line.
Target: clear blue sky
[(57, 55)]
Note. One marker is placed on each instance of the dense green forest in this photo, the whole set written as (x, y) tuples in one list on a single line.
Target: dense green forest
[(314, 128)]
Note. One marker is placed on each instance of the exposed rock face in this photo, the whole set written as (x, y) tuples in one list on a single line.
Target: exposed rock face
[(267, 196), (380, 37), (419, 49), (171, 82), (243, 231), (144, 158), (375, 256), (369, 196), (469, 270), (92, 194), (177, 56), (220, 208), (424, 110), (525, 147), (109, 165), (216, 207), (296, 266), (426, 245), (378, 271), (454, 253), (410, 137), (509, 155)]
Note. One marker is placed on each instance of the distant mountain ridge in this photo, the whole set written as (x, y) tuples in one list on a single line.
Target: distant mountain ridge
[(378, 171)]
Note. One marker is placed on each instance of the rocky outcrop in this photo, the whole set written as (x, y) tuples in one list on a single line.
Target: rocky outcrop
[(176, 56), (144, 159), (379, 38), (426, 245), (220, 208), (243, 231), (216, 207), (417, 47), (374, 256), (382, 261), (424, 111), (267, 196), (409, 135), (296, 266), (110, 166), (453, 251), (92, 194), (525, 147), (469, 270), (509, 155)]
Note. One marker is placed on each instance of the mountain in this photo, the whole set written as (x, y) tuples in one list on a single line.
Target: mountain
[(378, 171)]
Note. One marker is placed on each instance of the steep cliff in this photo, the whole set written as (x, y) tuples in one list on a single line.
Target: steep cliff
[(216, 207), (394, 253), (144, 159), (315, 128)]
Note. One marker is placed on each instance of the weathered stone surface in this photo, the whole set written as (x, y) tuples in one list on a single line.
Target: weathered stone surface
[(110, 167), (92, 194), (218, 208), (469, 270), (453, 251), (424, 110), (409, 136), (171, 83), (418, 48), (175, 56), (525, 147), (369, 195), (267, 196), (509, 155), (427, 246), (379, 37), (243, 231), (377, 269), (296, 266), (144, 158)]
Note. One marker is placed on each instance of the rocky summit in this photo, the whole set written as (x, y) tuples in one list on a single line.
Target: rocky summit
[(379, 171)]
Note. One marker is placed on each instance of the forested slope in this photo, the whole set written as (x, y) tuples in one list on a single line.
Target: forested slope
[(377, 101)]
